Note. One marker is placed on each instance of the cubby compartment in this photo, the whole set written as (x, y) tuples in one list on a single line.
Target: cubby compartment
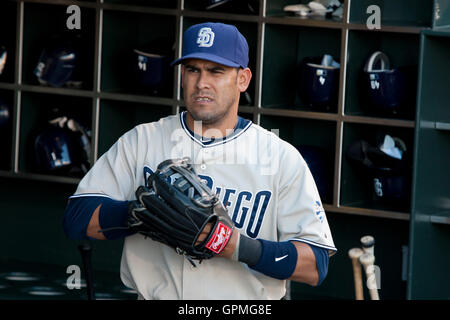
[(118, 117), (8, 14), (135, 58), (6, 128), (315, 140), (171, 4), (370, 178), (366, 96), (61, 57), (59, 149), (249, 30), (416, 13), (248, 7), (286, 49), (434, 95), (432, 184)]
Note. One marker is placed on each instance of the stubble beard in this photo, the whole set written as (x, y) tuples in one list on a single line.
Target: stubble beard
[(212, 117)]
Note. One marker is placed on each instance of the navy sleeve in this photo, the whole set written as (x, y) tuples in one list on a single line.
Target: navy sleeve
[(79, 211), (322, 260)]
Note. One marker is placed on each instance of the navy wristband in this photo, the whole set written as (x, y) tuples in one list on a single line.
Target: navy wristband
[(278, 259)]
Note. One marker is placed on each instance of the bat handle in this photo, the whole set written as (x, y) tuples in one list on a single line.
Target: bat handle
[(359, 293), (86, 253), (354, 255), (368, 244), (367, 260)]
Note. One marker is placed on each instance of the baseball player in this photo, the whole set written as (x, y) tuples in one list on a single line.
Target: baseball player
[(280, 227)]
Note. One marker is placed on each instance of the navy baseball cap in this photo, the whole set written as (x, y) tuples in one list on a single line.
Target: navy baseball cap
[(217, 42)]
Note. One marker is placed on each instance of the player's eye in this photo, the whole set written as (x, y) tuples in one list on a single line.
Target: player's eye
[(217, 70), (191, 69)]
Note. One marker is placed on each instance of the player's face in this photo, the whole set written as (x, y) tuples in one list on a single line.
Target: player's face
[(211, 90)]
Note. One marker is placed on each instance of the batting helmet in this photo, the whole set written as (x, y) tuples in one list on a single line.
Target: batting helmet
[(387, 89), (319, 82), (63, 147), (151, 65), (151, 70), (60, 62), (385, 166)]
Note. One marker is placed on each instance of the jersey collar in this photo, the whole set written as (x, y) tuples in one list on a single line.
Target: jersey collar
[(241, 126)]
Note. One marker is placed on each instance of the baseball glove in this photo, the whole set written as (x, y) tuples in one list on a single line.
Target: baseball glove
[(176, 207)]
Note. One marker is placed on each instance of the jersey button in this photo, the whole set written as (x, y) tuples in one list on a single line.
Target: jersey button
[(203, 166)]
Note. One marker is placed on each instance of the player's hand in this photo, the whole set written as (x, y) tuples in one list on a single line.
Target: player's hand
[(204, 233), (228, 251)]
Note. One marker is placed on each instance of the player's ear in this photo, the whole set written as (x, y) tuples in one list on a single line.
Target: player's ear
[(243, 79)]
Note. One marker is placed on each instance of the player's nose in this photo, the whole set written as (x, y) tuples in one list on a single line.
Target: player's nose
[(203, 81)]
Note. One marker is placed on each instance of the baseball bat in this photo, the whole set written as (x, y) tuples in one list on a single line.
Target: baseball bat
[(368, 244), (86, 252), (354, 255), (367, 260)]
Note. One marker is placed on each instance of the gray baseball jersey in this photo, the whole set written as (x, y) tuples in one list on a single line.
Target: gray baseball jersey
[(262, 180)]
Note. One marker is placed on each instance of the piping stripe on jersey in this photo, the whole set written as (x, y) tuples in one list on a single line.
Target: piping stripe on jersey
[(314, 244), (241, 126), (88, 195)]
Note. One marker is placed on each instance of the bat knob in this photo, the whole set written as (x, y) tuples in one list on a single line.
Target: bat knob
[(367, 241), (355, 253), (367, 259)]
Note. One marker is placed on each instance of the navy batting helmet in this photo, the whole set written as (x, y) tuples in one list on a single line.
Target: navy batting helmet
[(60, 62), (385, 167), (151, 66), (53, 149), (319, 82), (63, 147), (387, 88), (151, 70)]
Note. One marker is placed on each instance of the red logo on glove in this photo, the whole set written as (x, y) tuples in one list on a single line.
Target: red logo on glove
[(220, 238)]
